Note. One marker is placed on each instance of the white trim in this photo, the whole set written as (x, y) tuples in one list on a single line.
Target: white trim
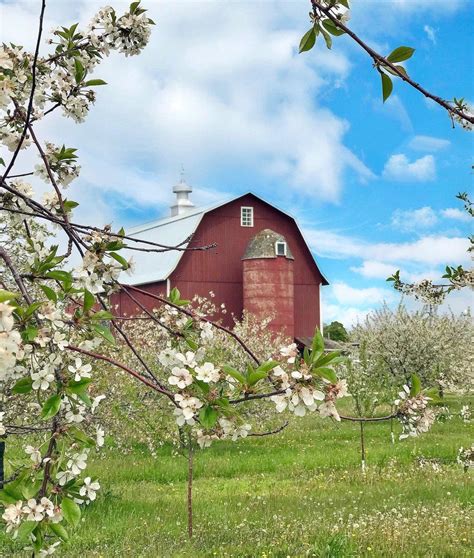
[(321, 327), (249, 215), (285, 248)]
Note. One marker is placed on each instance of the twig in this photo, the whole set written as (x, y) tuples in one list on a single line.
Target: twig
[(379, 59)]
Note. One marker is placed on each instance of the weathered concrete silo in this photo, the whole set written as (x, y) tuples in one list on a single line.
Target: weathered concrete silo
[(268, 283)]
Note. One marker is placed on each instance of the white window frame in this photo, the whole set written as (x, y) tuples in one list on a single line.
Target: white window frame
[(246, 216), (285, 248)]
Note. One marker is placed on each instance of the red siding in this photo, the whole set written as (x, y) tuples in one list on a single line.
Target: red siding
[(269, 291), (123, 305), (220, 269)]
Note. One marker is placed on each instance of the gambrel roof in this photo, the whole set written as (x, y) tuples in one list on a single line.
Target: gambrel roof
[(153, 267)]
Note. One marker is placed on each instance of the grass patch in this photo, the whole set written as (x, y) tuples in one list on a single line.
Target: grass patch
[(300, 493)]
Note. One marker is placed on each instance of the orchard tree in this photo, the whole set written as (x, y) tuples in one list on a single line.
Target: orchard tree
[(56, 326), (336, 331)]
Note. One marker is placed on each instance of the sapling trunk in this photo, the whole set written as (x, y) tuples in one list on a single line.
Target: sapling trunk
[(362, 446), (190, 487), (2, 462)]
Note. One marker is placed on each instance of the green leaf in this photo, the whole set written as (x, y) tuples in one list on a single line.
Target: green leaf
[(415, 385), (51, 407), (7, 295), (256, 376), (120, 259), (2, 162), (81, 436), (174, 295), (79, 70), (89, 300), (387, 86), (23, 386), (308, 40), (30, 489), (59, 531), (49, 292), (59, 275), (233, 373), (6, 498), (401, 69), (330, 358), (400, 54), (26, 528), (267, 366), (30, 333), (326, 373), (93, 82), (80, 385), (317, 346), (134, 6), (332, 28), (71, 511), (203, 386), (192, 344), (105, 332), (327, 38), (102, 315), (208, 417)]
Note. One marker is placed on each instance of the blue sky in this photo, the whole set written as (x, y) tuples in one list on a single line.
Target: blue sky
[(222, 90)]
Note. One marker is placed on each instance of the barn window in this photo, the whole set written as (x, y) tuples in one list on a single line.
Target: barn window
[(280, 248), (246, 216)]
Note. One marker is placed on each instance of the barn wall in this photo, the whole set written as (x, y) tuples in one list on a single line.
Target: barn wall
[(220, 269), (123, 305)]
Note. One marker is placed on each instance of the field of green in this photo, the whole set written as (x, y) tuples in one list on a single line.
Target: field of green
[(298, 493)]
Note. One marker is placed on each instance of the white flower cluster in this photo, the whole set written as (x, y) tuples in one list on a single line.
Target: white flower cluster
[(11, 348), (232, 430), (128, 34), (33, 510), (187, 408), (465, 413), (301, 396), (74, 467), (466, 457), (65, 170), (414, 414)]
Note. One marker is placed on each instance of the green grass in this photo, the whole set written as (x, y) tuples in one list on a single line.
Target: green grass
[(299, 493)]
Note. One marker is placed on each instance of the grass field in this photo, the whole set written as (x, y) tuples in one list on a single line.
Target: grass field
[(299, 493)]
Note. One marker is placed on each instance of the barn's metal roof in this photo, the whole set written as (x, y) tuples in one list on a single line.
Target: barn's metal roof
[(171, 231)]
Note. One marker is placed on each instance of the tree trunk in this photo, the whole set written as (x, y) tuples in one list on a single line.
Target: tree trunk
[(190, 487), (2, 462), (362, 446)]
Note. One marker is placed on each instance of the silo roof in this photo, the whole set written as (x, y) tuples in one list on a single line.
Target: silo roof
[(262, 245)]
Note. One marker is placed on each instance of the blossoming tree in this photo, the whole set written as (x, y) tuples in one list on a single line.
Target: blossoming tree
[(55, 322)]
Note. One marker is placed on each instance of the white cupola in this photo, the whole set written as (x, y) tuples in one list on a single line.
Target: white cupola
[(182, 204)]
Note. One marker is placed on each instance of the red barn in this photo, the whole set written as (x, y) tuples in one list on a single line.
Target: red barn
[(260, 263)]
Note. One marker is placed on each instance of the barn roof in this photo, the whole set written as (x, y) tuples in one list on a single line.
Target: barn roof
[(173, 231)]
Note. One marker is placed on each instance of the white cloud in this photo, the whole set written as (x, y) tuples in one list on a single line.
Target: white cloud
[(455, 213), (414, 219), (395, 109), (428, 250), (215, 89), (428, 143), (399, 168), (431, 33), (347, 315), (345, 294), (374, 270)]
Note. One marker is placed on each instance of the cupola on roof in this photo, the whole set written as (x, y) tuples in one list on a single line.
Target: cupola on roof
[(183, 204), (263, 245)]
